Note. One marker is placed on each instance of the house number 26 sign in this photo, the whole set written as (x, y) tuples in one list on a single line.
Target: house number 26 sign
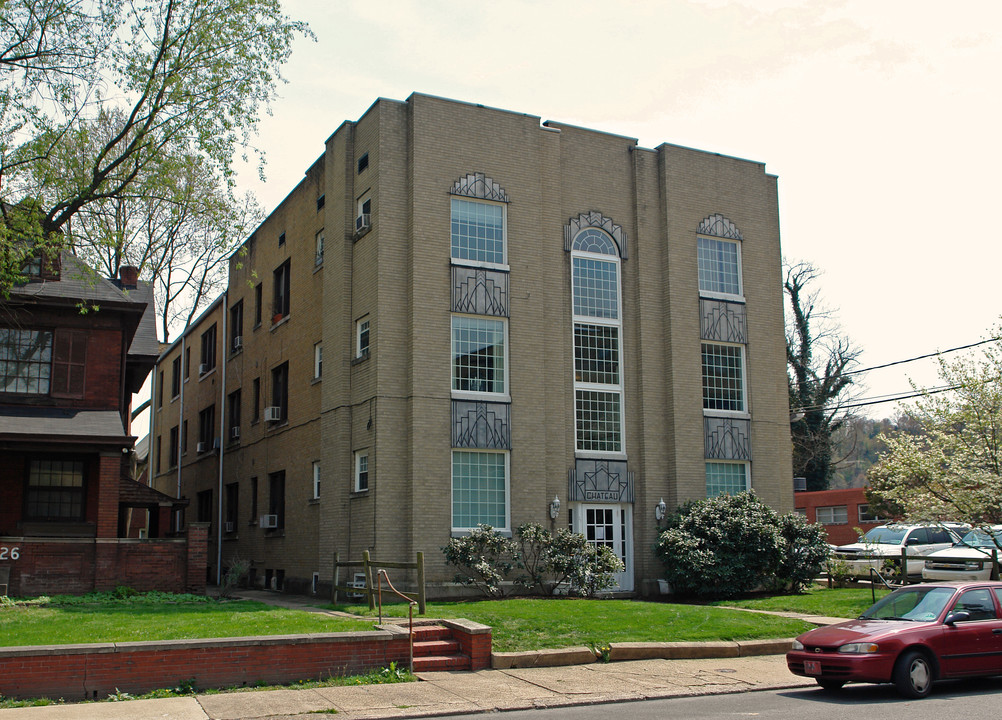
[(9, 553)]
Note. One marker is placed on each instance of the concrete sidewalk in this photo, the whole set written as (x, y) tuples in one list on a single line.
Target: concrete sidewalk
[(450, 693)]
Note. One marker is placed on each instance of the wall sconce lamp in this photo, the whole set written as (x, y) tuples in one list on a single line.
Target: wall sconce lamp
[(659, 510), (554, 507)]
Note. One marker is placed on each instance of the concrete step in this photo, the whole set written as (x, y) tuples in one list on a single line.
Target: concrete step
[(430, 663), (423, 648)]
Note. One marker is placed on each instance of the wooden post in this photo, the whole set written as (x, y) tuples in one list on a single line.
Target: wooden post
[(422, 604), (904, 565), (367, 569), (995, 564), (337, 558)]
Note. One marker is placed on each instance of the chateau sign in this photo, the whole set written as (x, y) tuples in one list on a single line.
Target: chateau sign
[(600, 481)]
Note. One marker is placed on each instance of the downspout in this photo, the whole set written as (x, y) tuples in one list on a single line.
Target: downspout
[(222, 439)]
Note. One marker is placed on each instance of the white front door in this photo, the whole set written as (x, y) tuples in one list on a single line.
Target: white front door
[(610, 526)]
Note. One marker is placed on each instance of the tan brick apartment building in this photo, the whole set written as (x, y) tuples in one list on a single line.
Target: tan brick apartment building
[(461, 314)]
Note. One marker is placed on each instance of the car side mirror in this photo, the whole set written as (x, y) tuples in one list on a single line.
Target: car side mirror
[(956, 617), (913, 541)]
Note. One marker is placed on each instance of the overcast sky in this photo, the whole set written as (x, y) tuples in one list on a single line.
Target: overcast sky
[(881, 119)]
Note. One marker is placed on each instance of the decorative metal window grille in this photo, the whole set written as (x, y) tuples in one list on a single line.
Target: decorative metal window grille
[(723, 321), (478, 291), (482, 425)]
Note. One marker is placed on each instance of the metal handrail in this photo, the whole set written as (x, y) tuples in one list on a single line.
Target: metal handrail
[(873, 587), (410, 611)]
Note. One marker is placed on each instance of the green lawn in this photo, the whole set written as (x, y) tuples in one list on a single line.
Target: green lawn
[(531, 624), (837, 602), (118, 622)]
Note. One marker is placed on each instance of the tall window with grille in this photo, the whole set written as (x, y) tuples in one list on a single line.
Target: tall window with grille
[(598, 374)]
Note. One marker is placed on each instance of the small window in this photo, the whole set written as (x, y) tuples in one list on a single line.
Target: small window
[(280, 390), (206, 428), (253, 500), (232, 506), (316, 479), (173, 447), (363, 216), (362, 337), (865, 516), (361, 471), (276, 497), (832, 515), (237, 327), (233, 404), (207, 363), (321, 201), (187, 362), (257, 305), (25, 361), (256, 400), (319, 260), (726, 477), (69, 362), (283, 286), (318, 361), (175, 377), (56, 490), (281, 240), (363, 162)]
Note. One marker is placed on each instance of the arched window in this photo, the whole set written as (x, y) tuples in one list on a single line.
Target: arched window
[(598, 376)]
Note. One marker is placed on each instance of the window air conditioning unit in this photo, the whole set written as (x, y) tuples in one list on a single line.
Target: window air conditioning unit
[(238, 343), (216, 443), (235, 432), (201, 447), (228, 527), (269, 522), (272, 413), (362, 222), (203, 368)]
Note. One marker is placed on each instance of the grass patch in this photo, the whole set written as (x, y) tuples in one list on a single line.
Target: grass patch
[(103, 617), (830, 602), (536, 623)]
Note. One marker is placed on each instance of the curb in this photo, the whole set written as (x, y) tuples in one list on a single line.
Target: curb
[(639, 651)]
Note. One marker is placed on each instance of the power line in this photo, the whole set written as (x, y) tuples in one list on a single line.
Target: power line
[(921, 357)]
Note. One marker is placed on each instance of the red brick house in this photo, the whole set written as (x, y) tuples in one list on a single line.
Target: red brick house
[(67, 500), (840, 511)]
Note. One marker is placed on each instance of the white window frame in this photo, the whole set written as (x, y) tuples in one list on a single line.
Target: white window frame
[(863, 514), (316, 480), (503, 265), (507, 488), (361, 457), (716, 294), (746, 465), (318, 360), (504, 395), (617, 322), (826, 514), (714, 412), (363, 326)]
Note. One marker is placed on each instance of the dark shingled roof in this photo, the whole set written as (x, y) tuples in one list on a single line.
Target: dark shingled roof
[(145, 343), (29, 423), (76, 282), (136, 494)]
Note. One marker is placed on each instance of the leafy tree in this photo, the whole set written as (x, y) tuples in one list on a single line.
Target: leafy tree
[(819, 359), (93, 93), (952, 469)]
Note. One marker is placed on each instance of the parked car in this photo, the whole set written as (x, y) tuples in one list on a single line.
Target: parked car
[(885, 542), (911, 637), (969, 559)]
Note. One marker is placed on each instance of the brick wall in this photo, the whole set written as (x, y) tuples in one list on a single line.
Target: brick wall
[(97, 670), (851, 498), (48, 566)]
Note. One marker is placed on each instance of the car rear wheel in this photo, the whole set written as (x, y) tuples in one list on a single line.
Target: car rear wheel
[(913, 674), (831, 685)]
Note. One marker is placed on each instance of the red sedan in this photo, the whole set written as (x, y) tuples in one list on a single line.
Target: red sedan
[(911, 637)]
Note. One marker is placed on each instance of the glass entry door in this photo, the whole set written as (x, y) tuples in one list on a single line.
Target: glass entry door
[(609, 526)]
